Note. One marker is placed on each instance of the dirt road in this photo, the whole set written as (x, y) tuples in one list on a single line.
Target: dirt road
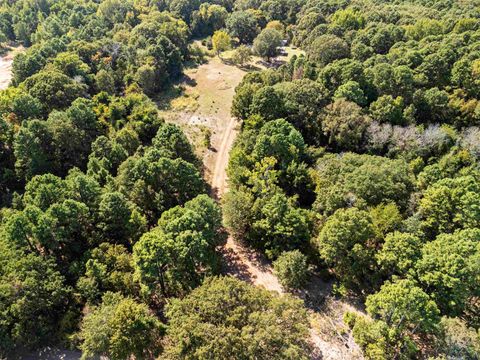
[(6, 63)]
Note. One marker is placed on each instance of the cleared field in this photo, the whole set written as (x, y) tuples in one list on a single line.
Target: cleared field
[(200, 104)]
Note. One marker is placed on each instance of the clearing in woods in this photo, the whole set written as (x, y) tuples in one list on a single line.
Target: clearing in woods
[(201, 105)]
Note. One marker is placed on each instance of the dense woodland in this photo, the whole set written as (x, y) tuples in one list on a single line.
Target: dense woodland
[(358, 161)]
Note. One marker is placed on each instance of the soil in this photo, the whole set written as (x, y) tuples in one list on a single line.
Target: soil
[(6, 63)]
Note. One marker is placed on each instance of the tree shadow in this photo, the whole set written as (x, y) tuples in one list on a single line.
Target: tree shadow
[(272, 64), (232, 265), (257, 258), (173, 91)]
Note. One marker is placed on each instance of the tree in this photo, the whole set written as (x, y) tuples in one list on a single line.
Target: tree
[(291, 268), (280, 140), (33, 299), (399, 253), (327, 48), (32, 150), (361, 180), (448, 269), (344, 124), (104, 81), (221, 41), (343, 244), (386, 109), (303, 101), (267, 103), (208, 19), (458, 339), (176, 255), (276, 25), (158, 183), (110, 268), (237, 212), (242, 55), (71, 65), (405, 309), (54, 89), (183, 8), (267, 42), (450, 204), (147, 79), (424, 27), (351, 91), (120, 328), (392, 80), (25, 106), (253, 323), (403, 305), (242, 25), (172, 139), (279, 225), (116, 219), (347, 19)]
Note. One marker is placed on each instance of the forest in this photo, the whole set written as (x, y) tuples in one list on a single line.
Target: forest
[(356, 162)]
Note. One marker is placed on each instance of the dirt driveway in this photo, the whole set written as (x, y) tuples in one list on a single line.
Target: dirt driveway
[(6, 62)]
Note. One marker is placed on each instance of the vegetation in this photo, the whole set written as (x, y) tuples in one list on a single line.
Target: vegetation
[(291, 269), (360, 154), (357, 158), (252, 324)]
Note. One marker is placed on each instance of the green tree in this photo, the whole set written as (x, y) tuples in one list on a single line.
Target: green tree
[(104, 81), (291, 268), (242, 25), (344, 124), (175, 256), (120, 328), (110, 268), (423, 28), (208, 19), (237, 212), (449, 268), (267, 103), (343, 243), (158, 183), (253, 323), (280, 225), (242, 55), (327, 48), (401, 309), (386, 109), (147, 79), (54, 89), (404, 306), (267, 42), (399, 253), (450, 204), (33, 299), (116, 219), (351, 91), (347, 19), (280, 140), (172, 139), (361, 180), (221, 42)]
